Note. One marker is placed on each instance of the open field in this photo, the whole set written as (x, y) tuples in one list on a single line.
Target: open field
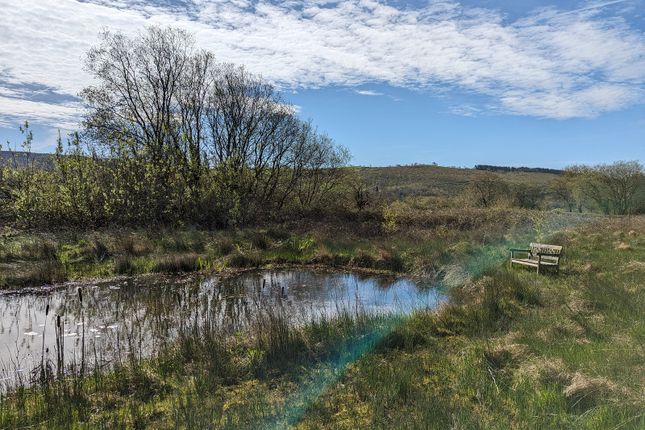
[(424, 180), (511, 350)]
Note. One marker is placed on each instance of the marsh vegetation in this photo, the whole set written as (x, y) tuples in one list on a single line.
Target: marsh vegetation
[(509, 349), (102, 324), (142, 257)]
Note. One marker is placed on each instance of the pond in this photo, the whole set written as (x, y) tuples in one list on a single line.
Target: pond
[(108, 321)]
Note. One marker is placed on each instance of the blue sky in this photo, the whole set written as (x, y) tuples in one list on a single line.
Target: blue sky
[(534, 82)]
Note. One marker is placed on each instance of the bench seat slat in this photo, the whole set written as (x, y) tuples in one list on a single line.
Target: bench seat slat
[(530, 262)]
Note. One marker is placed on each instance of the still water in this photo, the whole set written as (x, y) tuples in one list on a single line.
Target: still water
[(110, 321)]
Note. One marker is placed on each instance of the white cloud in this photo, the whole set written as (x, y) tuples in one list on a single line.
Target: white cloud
[(465, 110), (551, 63), (368, 93), (59, 115)]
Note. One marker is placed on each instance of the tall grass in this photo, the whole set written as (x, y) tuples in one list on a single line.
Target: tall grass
[(421, 244), (204, 361), (514, 349), (177, 263), (511, 350)]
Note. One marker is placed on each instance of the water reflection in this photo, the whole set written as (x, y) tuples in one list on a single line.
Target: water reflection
[(140, 316)]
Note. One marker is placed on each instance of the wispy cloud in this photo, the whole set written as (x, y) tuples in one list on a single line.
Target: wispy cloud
[(14, 111), (368, 93), (551, 63), (465, 110), (594, 5)]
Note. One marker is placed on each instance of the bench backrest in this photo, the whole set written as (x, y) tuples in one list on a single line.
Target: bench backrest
[(542, 248)]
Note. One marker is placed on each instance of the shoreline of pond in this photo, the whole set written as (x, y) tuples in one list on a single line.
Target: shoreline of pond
[(224, 273), (98, 314)]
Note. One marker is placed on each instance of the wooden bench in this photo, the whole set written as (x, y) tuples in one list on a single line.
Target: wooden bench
[(538, 255)]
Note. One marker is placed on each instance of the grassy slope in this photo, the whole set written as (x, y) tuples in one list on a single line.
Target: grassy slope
[(438, 180), (20, 158), (417, 180), (516, 350), (513, 350)]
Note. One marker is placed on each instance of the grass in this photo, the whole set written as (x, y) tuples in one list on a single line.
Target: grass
[(514, 350), (511, 350), (437, 181), (414, 243), (177, 263), (197, 379)]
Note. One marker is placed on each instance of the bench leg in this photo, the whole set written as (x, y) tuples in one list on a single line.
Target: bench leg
[(538, 268)]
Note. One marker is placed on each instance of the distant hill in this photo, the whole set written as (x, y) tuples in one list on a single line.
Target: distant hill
[(430, 180), (395, 181), (21, 159)]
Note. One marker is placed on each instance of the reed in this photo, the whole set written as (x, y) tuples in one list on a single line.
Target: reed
[(510, 350), (271, 343), (417, 244)]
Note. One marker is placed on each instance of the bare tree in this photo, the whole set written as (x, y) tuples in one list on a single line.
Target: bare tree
[(486, 189), (196, 123), (622, 180), (562, 187), (588, 189), (611, 187), (192, 97), (139, 80), (137, 101), (526, 196), (320, 162), (250, 127)]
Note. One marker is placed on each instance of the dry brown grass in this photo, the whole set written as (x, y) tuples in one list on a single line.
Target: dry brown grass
[(622, 246), (455, 275), (544, 370), (585, 391), (177, 263), (578, 305), (635, 266), (437, 180), (503, 355), (560, 329), (588, 268)]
